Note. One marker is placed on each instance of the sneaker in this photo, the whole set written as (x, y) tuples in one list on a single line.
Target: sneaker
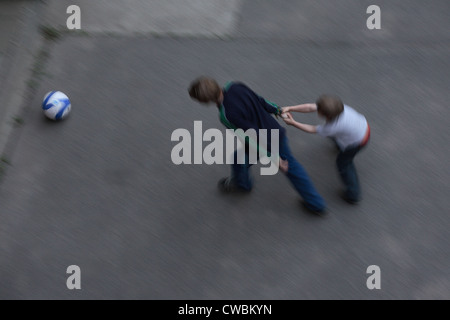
[(227, 185), (320, 213), (349, 200)]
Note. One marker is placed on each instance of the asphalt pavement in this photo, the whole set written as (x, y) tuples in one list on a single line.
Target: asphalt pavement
[(99, 189)]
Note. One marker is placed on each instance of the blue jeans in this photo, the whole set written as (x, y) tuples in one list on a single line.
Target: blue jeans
[(296, 175), (347, 172)]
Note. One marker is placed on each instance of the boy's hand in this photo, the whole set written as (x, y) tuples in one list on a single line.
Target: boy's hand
[(288, 118), (285, 110), (284, 165)]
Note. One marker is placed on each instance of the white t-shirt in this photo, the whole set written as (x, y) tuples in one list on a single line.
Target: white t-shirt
[(348, 129)]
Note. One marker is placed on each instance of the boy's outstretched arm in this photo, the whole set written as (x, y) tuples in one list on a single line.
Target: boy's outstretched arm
[(302, 126), (304, 108)]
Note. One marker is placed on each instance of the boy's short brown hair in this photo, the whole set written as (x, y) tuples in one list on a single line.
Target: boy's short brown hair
[(329, 106), (205, 90)]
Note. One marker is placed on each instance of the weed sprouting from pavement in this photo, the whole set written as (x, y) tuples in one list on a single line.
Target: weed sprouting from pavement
[(4, 162), (50, 33)]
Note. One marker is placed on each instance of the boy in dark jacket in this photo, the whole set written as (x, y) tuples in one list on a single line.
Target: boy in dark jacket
[(241, 108)]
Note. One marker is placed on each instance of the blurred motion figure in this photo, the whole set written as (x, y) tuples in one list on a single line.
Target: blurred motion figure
[(346, 127), (241, 108)]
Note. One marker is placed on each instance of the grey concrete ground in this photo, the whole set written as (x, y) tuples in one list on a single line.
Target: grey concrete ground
[(99, 190), (19, 43)]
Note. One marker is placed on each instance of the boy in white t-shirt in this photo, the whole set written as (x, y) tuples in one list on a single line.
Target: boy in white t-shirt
[(348, 128)]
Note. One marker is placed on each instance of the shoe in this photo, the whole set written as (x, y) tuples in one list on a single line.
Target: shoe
[(349, 200), (227, 185), (320, 213)]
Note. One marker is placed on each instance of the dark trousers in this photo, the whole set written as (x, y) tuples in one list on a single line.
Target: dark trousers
[(296, 175), (347, 172)]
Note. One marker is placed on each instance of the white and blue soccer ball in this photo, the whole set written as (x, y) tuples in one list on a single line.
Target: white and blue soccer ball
[(56, 105)]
